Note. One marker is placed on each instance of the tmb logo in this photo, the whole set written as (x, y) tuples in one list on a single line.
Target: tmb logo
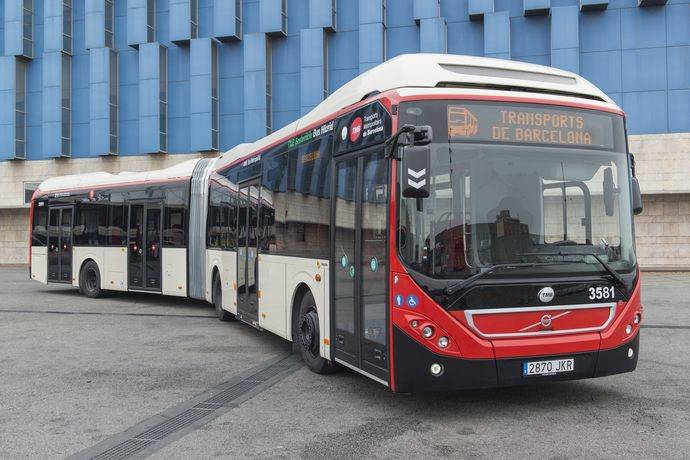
[(356, 129)]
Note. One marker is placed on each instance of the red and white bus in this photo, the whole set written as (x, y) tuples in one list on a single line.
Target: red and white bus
[(440, 222)]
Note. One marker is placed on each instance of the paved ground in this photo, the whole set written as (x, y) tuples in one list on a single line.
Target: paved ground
[(76, 372)]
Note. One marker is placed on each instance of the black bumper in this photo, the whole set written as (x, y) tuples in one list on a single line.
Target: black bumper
[(413, 362)]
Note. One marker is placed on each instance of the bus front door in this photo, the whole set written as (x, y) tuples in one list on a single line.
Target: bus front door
[(144, 246), (359, 264), (247, 253), (60, 245)]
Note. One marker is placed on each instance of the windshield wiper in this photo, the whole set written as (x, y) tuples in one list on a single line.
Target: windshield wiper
[(614, 274), (472, 279)]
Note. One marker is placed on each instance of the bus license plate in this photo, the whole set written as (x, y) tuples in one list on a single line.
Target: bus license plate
[(555, 366)]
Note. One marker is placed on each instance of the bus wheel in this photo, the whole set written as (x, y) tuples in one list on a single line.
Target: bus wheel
[(223, 315), (90, 280), (308, 338)]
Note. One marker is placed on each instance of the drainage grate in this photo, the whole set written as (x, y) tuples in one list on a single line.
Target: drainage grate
[(124, 450), (208, 405)]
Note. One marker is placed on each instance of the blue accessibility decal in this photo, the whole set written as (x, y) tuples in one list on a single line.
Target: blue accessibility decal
[(412, 301), (398, 300)]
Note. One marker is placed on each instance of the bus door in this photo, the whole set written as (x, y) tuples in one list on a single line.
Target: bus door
[(144, 246), (60, 244), (359, 263), (247, 253)]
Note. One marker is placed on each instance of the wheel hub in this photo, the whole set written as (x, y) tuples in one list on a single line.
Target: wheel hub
[(307, 331)]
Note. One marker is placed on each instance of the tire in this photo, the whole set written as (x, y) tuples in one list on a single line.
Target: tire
[(307, 338), (217, 298), (90, 280)]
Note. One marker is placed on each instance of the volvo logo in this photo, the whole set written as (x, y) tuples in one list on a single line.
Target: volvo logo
[(546, 294), (545, 320)]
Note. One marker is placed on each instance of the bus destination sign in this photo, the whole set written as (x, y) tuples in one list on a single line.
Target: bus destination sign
[(530, 125)]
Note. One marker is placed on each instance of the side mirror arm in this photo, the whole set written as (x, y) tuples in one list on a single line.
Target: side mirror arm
[(393, 141)]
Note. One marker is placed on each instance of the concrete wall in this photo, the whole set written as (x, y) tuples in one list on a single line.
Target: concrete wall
[(14, 236), (663, 232)]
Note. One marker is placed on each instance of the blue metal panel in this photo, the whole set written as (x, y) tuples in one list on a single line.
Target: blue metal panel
[(497, 35), (7, 103), (603, 69), (533, 7), (513, 7), (644, 69), (401, 15), (200, 53), (321, 14), (312, 68), (402, 40), (180, 22), (371, 45), (646, 112), (426, 9), (432, 36), (149, 86), (95, 24), (137, 30), (466, 38), (600, 31), (565, 38), (371, 11), (593, 5), (476, 9), (643, 27), (678, 62), (454, 11), (255, 49), (52, 25), (14, 23), (225, 25), (52, 103), (529, 36), (678, 113), (677, 20), (271, 17)]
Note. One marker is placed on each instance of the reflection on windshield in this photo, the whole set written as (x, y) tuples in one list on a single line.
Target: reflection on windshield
[(491, 204)]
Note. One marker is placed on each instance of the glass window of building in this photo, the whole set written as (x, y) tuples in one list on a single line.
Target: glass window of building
[(66, 84), (28, 28), (109, 24), (113, 102), (67, 26), (194, 17), (215, 109), (20, 109), (163, 98), (150, 21)]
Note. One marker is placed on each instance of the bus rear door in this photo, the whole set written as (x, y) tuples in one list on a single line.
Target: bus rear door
[(247, 252), (60, 244), (144, 246)]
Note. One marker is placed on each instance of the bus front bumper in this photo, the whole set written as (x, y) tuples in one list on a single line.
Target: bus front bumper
[(413, 363)]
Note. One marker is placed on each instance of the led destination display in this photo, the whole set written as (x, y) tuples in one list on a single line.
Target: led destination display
[(535, 125)]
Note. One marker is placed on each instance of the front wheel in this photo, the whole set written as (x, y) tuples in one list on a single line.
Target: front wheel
[(307, 337), (90, 280), (222, 314)]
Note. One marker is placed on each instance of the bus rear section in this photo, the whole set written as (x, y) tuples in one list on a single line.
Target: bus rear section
[(513, 261)]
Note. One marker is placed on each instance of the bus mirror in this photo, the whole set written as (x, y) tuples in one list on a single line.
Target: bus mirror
[(423, 135), (416, 166), (609, 192), (636, 197)]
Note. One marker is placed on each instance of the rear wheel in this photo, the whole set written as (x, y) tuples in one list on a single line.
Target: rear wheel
[(90, 280), (307, 337), (222, 314)]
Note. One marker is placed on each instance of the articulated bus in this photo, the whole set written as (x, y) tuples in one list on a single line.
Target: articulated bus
[(438, 223)]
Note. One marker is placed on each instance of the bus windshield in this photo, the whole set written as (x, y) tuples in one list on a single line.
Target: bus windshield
[(518, 184)]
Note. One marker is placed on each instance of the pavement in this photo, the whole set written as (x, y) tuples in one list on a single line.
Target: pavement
[(81, 377)]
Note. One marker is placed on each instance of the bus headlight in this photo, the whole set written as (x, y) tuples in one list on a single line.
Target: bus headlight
[(428, 332), (436, 369), (443, 342)]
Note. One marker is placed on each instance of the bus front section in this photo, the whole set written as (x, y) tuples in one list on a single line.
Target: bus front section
[(514, 241)]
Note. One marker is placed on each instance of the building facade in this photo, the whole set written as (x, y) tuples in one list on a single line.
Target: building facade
[(117, 85)]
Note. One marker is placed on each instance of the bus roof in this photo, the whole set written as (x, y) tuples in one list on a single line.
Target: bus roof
[(100, 179), (423, 70)]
